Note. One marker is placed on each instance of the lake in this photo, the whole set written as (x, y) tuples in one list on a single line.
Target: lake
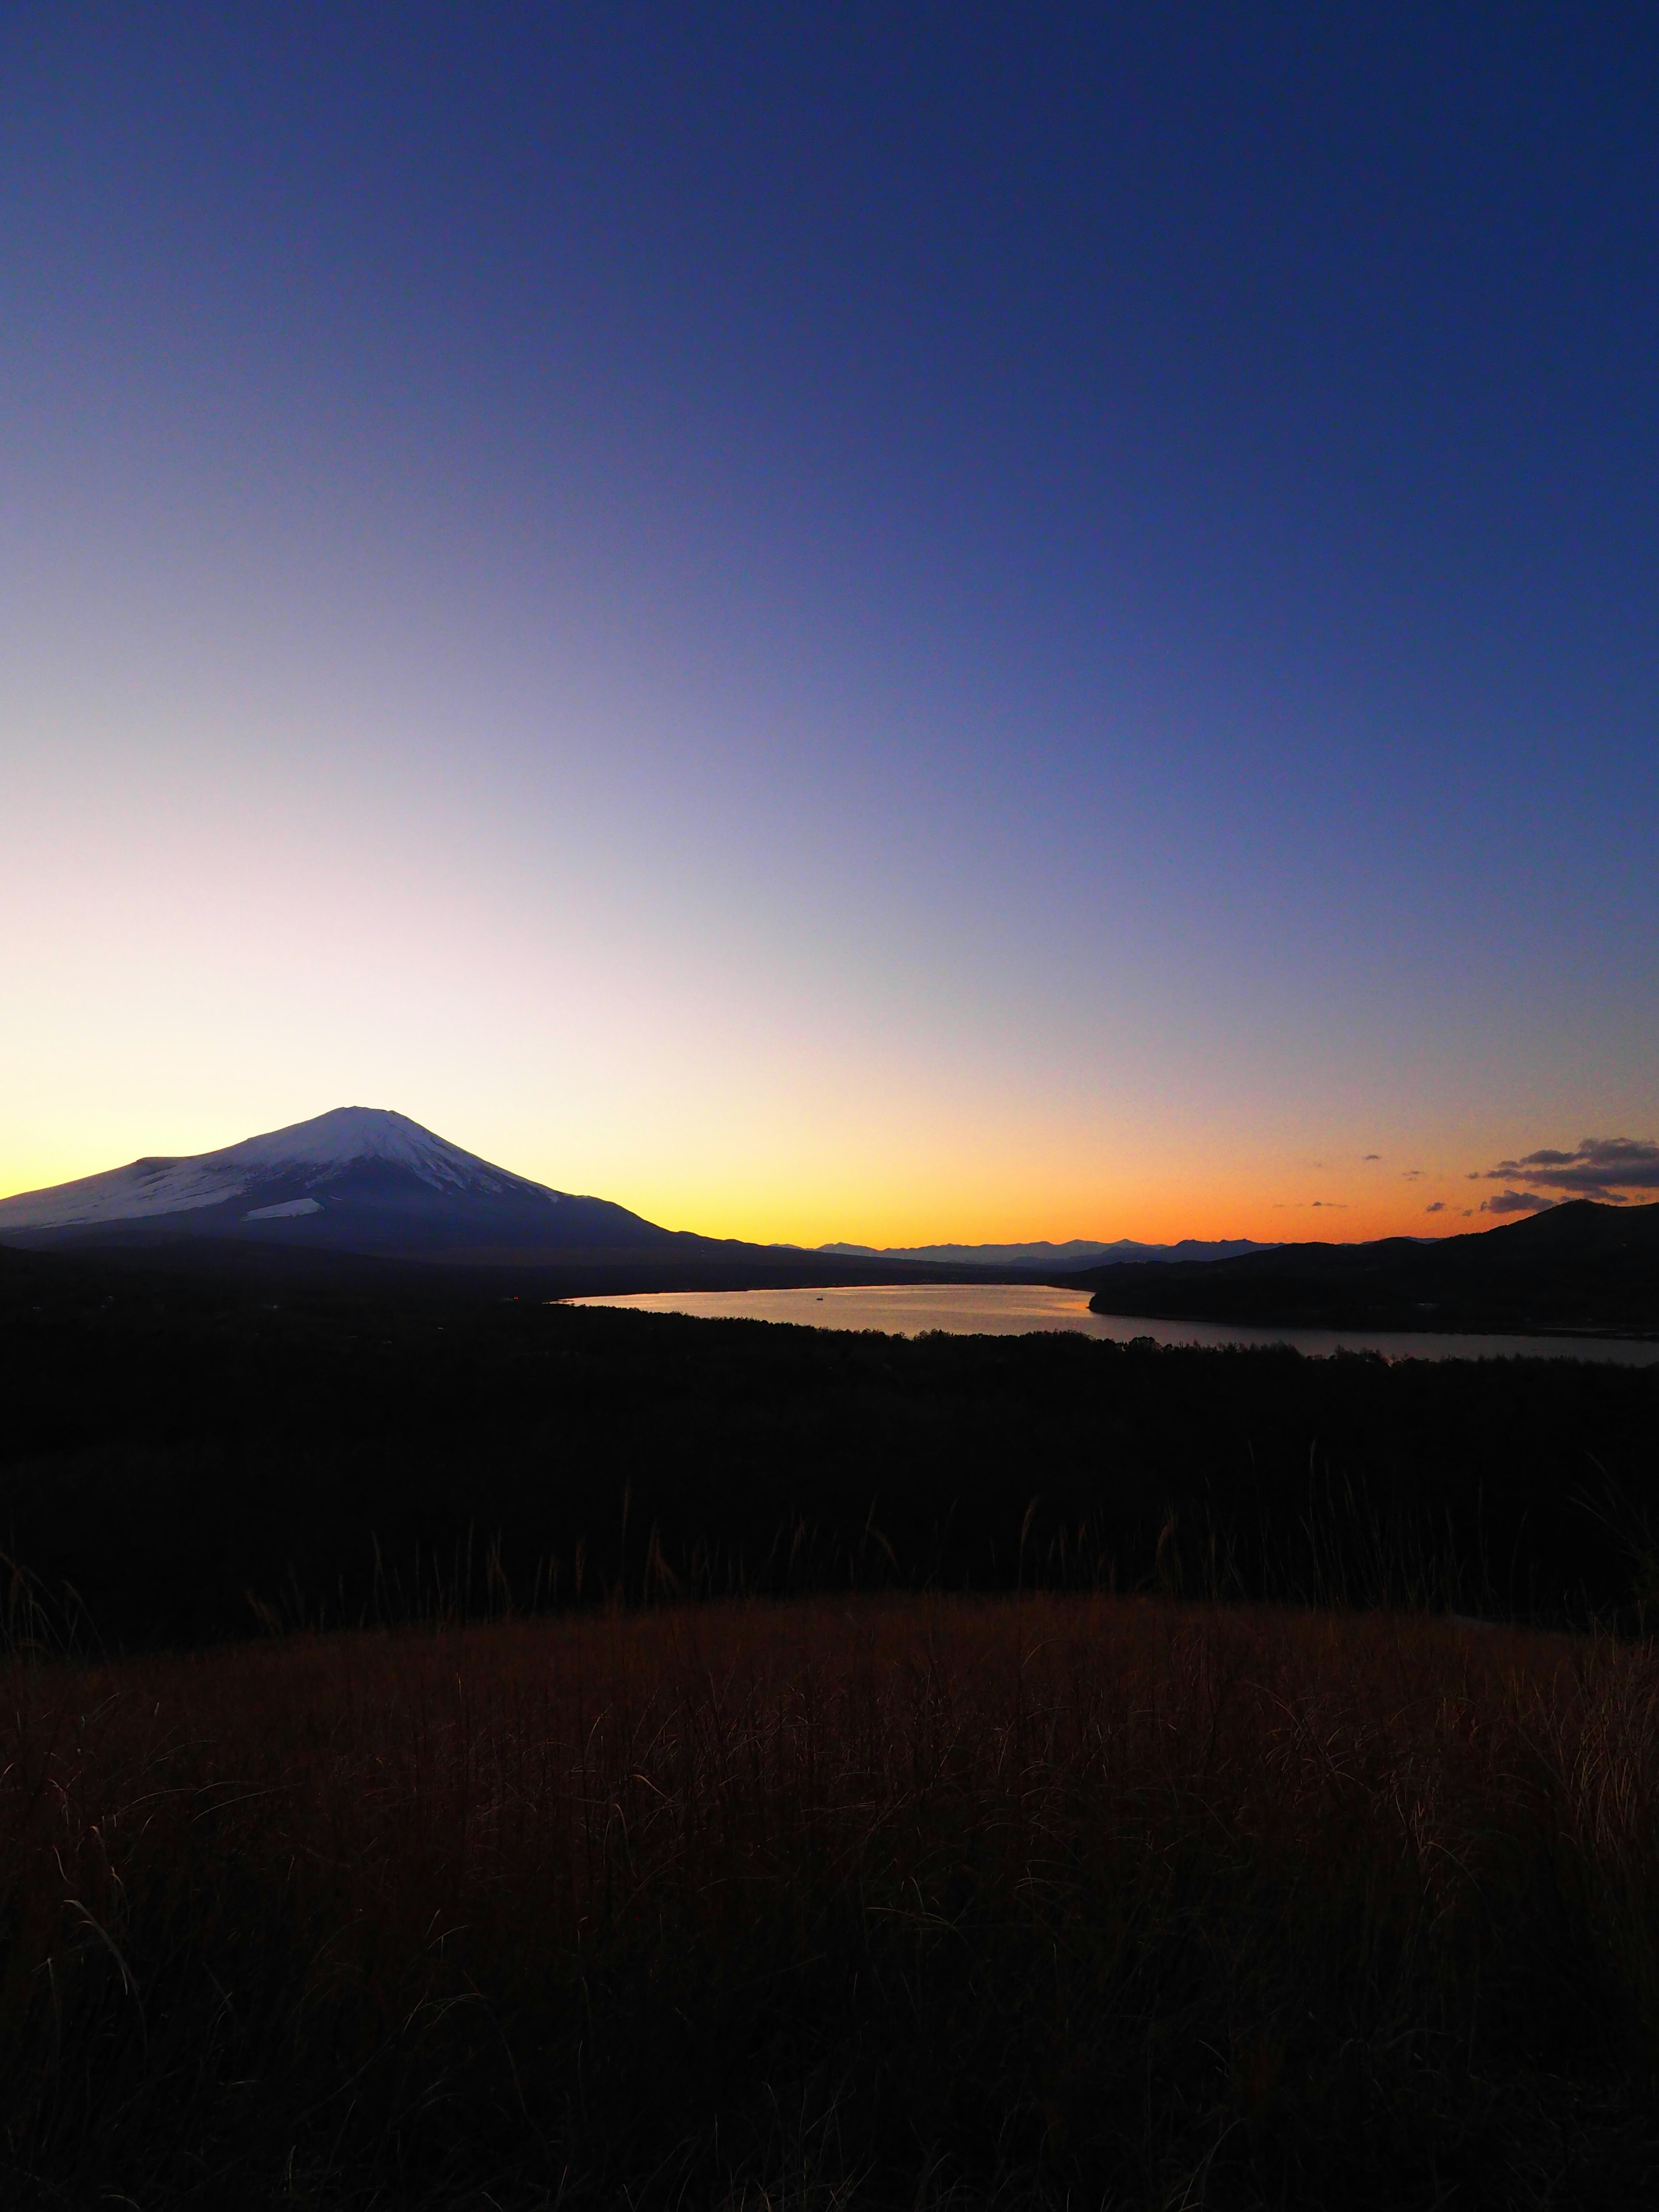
[(1017, 1308)]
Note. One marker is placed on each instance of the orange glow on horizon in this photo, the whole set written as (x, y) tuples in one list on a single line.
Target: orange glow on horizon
[(900, 1202)]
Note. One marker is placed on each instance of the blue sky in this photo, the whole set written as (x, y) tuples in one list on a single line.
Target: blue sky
[(837, 622)]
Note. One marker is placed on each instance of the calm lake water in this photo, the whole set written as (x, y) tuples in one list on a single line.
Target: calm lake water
[(1014, 1309)]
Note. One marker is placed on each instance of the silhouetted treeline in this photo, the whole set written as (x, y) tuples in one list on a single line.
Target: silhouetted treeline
[(190, 1459)]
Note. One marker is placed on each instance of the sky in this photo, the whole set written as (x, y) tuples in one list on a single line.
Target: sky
[(890, 623)]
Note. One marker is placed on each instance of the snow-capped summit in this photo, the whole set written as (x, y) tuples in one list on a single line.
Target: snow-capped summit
[(360, 1177), (347, 1135)]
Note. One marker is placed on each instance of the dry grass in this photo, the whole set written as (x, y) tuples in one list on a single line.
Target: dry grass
[(1055, 1902)]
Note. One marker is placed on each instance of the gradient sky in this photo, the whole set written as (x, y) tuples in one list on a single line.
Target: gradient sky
[(890, 623)]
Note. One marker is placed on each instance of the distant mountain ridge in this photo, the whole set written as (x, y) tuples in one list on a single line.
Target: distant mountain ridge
[(1075, 1252)]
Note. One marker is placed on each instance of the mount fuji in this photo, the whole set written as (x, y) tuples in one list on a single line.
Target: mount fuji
[(360, 1179)]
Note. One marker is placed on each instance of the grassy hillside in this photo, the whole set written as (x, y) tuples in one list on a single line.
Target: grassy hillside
[(883, 1897), (1046, 1902)]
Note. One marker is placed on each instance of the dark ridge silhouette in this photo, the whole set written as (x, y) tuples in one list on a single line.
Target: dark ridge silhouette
[(1075, 1253), (1580, 1266)]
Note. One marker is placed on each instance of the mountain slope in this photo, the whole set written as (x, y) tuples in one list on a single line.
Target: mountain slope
[(1581, 1265), (359, 1179), (359, 1193)]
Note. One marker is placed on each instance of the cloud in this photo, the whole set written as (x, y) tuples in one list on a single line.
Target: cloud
[(1373, 1156), (1412, 1175), (1606, 1168), (1516, 1201), (1439, 1206), (1333, 1204)]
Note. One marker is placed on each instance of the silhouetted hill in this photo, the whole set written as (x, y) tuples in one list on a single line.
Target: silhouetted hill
[(1580, 1267)]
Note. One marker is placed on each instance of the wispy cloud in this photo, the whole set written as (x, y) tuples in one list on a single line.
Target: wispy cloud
[(1439, 1206), (1516, 1201), (1373, 1156), (1607, 1167)]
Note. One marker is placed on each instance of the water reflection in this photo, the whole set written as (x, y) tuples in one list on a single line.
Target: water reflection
[(1016, 1309)]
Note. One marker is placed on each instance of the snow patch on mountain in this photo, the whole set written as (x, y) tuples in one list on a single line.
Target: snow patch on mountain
[(146, 1189)]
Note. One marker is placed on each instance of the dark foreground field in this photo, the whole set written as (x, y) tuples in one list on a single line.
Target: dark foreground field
[(572, 1866), (1044, 1901), (184, 1460)]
